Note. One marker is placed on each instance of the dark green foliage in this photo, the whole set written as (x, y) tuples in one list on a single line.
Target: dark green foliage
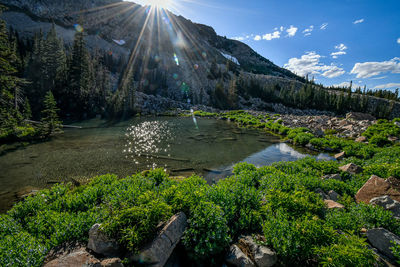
[(396, 252), (50, 121), (295, 239), (208, 233), (296, 203), (362, 216), (134, 226), (350, 250)]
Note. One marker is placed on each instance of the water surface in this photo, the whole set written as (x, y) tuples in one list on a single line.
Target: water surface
[(182, 146)]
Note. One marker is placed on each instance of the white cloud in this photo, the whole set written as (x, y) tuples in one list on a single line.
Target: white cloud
[(341, 48), (324, 26), (339, 53), (379, 78), (238, 38), (341, 85), (358, 21), (291, 31), (398, 40), (309, 63), (257, 38), (282, 28), (387, 86), (307, 32), (370, 69), (270, 36)]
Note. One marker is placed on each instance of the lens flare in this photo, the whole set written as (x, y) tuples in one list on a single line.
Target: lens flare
[(176, 59)]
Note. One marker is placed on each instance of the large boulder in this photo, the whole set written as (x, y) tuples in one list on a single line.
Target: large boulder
[(237, 258), (100, 243), (78, 258), (376, 187), (157, 252), (383, 240), (388, 204), (351, 168)]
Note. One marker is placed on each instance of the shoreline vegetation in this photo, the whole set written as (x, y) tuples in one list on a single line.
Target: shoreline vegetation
[(286, 203)]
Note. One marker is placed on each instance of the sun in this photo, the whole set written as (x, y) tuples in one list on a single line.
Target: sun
[(165, 4)]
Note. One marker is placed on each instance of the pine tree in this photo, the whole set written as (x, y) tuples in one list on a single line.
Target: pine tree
[(10, 84), (27, 112), (54, 61), (79, 75), (50, 121)]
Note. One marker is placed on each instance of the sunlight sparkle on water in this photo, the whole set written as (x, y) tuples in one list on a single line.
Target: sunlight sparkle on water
[(146, 140)]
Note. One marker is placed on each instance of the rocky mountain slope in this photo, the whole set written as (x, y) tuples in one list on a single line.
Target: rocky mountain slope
[(160, 43), (170, 55)]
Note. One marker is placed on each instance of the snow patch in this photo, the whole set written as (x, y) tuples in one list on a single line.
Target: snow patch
[(231, 58)]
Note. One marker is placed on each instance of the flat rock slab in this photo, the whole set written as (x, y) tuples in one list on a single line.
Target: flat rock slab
[(156, 253), (333, 205), (79, 258), (383, 240), (376, 187)]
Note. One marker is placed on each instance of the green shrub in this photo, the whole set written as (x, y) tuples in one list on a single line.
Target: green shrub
[(207, 233), (134, 226), (296, 203), (295, 240), (396, 251), (350, 250), (303, 138), (362, 215), (380, 140)]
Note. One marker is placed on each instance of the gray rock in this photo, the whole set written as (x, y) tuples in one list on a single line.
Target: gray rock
[(332, 176), (388, 204), (157, 252), (351, 168), (78, 258), (382, 240), (100, 243), (262, 255), (333, 195), (320, 192), (237, 258)]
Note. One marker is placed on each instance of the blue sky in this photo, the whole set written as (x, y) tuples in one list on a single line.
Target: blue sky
[(334, 40)]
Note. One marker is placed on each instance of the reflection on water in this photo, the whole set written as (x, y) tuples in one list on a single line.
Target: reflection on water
[(279, 152), (181, 145), (267, 156)]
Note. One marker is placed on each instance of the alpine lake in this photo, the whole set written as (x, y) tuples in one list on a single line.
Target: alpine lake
[(180, 145)]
